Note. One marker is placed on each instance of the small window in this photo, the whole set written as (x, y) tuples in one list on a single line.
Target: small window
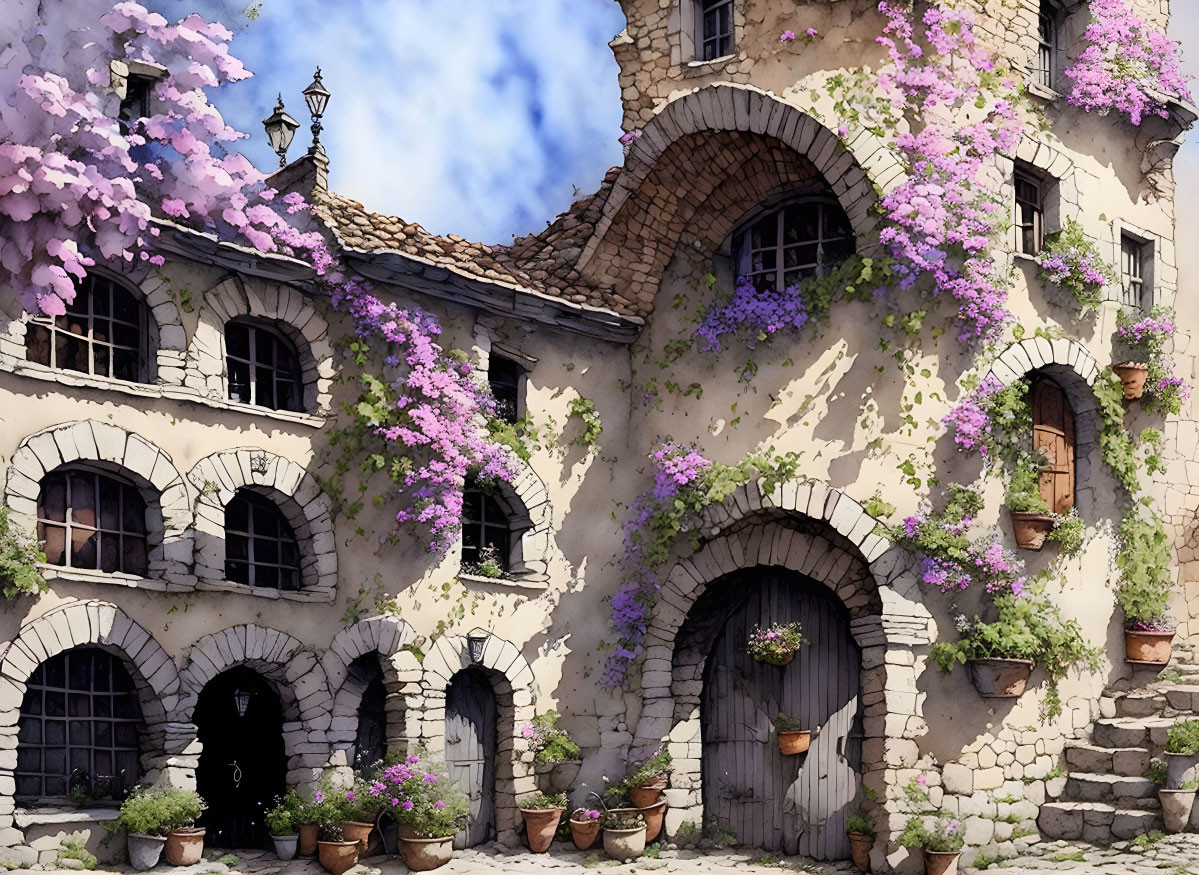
[(798, 241), (504, 377), (1029, 220), (263, 367), (1053, 442), (260, 545), (715, 30), (103, 333), (486, 532), (1047, 42), (79, 728), (1136, 270), (92, 520), (135, 105)]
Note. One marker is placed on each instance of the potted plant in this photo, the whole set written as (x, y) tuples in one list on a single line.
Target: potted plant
[(1143, 588), (281, 824), (655, 817), (429, 808), (542, 813), (792, 737), (1182, 753), (1028, 629), (1177, 805), (336, 853), (360, 808), (145, 817), (556, 759), (645, 783), (185, 840), (584, 827), (1031, 518), (860, 829), (1070, 260), (935, 831), (1145, 336), (777, 644), (306, 817), (624, 835)]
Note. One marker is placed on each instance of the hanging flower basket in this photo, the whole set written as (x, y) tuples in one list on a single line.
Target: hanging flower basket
[(1031, 529), (1000, 678), (1133, 376), (777, 644)]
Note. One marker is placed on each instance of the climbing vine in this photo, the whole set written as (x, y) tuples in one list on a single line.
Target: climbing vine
[(19, 558)]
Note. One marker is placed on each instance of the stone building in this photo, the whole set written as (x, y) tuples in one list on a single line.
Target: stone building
[(169, 440)]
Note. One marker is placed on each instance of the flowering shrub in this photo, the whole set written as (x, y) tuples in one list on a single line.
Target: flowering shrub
[(1146, 337), (1145, 582), (549, 743), (1127, 65), (752, 314), (1072, 261), (420, 795), (809, 36), (776, 644), (990, 416)]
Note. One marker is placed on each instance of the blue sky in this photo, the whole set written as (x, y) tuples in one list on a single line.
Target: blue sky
[(473, 117)]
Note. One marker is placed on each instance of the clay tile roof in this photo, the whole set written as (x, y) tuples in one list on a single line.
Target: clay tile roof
[(543, 263)]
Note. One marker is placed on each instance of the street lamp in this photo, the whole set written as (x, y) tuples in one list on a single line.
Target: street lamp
[(280, 128), (241, 701), (317, 97), (475, 644)]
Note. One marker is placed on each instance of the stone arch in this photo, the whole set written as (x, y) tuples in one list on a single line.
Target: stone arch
[(383, 637), (166, 493), (97, 624), (289, 312), (818, 531), (530, 517), (216, 478), (512, 679), (295, 674), (1061, 197), (701, 137)]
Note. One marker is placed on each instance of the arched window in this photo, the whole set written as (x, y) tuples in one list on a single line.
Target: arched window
[(92, 520), (103, 333), (1053, 442), (263, 366), (798, 240), (78, 728), (504, 376), (260, 546), (486, 531)]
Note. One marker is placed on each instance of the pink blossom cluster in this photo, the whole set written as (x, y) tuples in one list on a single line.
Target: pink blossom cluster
[(1149, 333), (1080, 266), (1128, 65), (752, 313), (438, 422), (971, 418)]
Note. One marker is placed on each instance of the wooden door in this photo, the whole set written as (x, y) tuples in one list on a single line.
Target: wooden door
[(470, 728), (797, 804), (1053, 442)]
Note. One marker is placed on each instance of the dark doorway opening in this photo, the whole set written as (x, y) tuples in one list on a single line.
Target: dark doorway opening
[(243, 767), (370, 744), (470, 730)]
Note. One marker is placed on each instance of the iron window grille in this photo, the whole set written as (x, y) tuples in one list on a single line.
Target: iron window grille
[(91, 520), (1047, 37), (1133, 271), (78, 728), (715, 29), (484, 524), (504, 376), (797, 241), (101, 334), (1029, 219), (263, 367), (260, 546)]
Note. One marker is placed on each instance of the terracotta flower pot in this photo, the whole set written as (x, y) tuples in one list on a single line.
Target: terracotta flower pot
[(584, 833), (645, 796), (556, 777), (307, 839), (1181, 768), (337, 857), (859, 849), (184, 847), (624, 844), (794, 742), (654, 816), (1147, 648), (423, 855), (1176, 808), (363, 833), (1000, 678), (941, 862), (540, 825), (1031, 529), (1133, 376)]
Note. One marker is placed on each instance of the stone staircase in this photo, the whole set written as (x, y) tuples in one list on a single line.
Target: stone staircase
[(1106, 795)]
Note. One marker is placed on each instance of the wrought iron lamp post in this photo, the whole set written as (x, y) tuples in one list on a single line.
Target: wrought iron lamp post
[(280, 129), (317, 97)]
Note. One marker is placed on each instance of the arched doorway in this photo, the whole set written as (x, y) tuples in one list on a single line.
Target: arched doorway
[(470, 745), (370, 741), (243, 767), (797, 804)]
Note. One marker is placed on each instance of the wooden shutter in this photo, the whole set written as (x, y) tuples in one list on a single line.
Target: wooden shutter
[(1053, 440)]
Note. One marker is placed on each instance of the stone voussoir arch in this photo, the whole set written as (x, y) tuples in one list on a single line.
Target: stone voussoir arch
[(530, 519), (215, 479), (152, 471), (287, 309)]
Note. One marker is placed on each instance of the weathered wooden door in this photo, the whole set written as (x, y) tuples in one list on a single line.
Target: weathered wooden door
[(470, 716), (797, 804), (1053, 440)]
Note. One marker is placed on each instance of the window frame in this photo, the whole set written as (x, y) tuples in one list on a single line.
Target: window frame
[(254, 328), (743, 251), (720, 39), (483, 524), (1035, 222), (1143, 278), (1048, 45), (101, 535), (286, 535), (512, 384)]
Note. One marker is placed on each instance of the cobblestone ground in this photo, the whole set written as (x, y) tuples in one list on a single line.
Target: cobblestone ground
[(1174, 855)]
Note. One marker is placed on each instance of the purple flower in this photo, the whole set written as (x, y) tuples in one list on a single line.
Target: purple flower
[(811, 31), (439, 805), (407, 806), (787, 36), (349, 795), (319, 797)]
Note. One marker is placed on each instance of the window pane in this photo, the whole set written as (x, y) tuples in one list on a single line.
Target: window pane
[(237, 572), (237, 514), (70, 353), (53, 499), (237, 340), (266, 576), (135, 510), (266, 520), (237, 547), (239, 381), (133, 555), (83, 548), (37, 344), (266, 388), (110, 506), (125, 308), (125, 365), (83, 498)]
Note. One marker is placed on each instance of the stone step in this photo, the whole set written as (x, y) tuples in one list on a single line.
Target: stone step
[(1120, 732), (1124, 790), (1140, 703), (1182, 697), (1095, 821), (1128, 761)]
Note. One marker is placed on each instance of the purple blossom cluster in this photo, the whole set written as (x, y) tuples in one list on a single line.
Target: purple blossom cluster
[(1061, 267), (1128, 65), (954, 561), (752, 313), (1149, 333), (971, 418)]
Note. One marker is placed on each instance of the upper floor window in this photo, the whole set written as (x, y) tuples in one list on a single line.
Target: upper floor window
[(486, 531), (78, 728), (1053, 442), (135, 105), (1136, 271), (92, 520), (504, 377), (715, 29), (103, 333), (1047, 45), (1029, 221), (263, 367), (260, 545), (797, 241)]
